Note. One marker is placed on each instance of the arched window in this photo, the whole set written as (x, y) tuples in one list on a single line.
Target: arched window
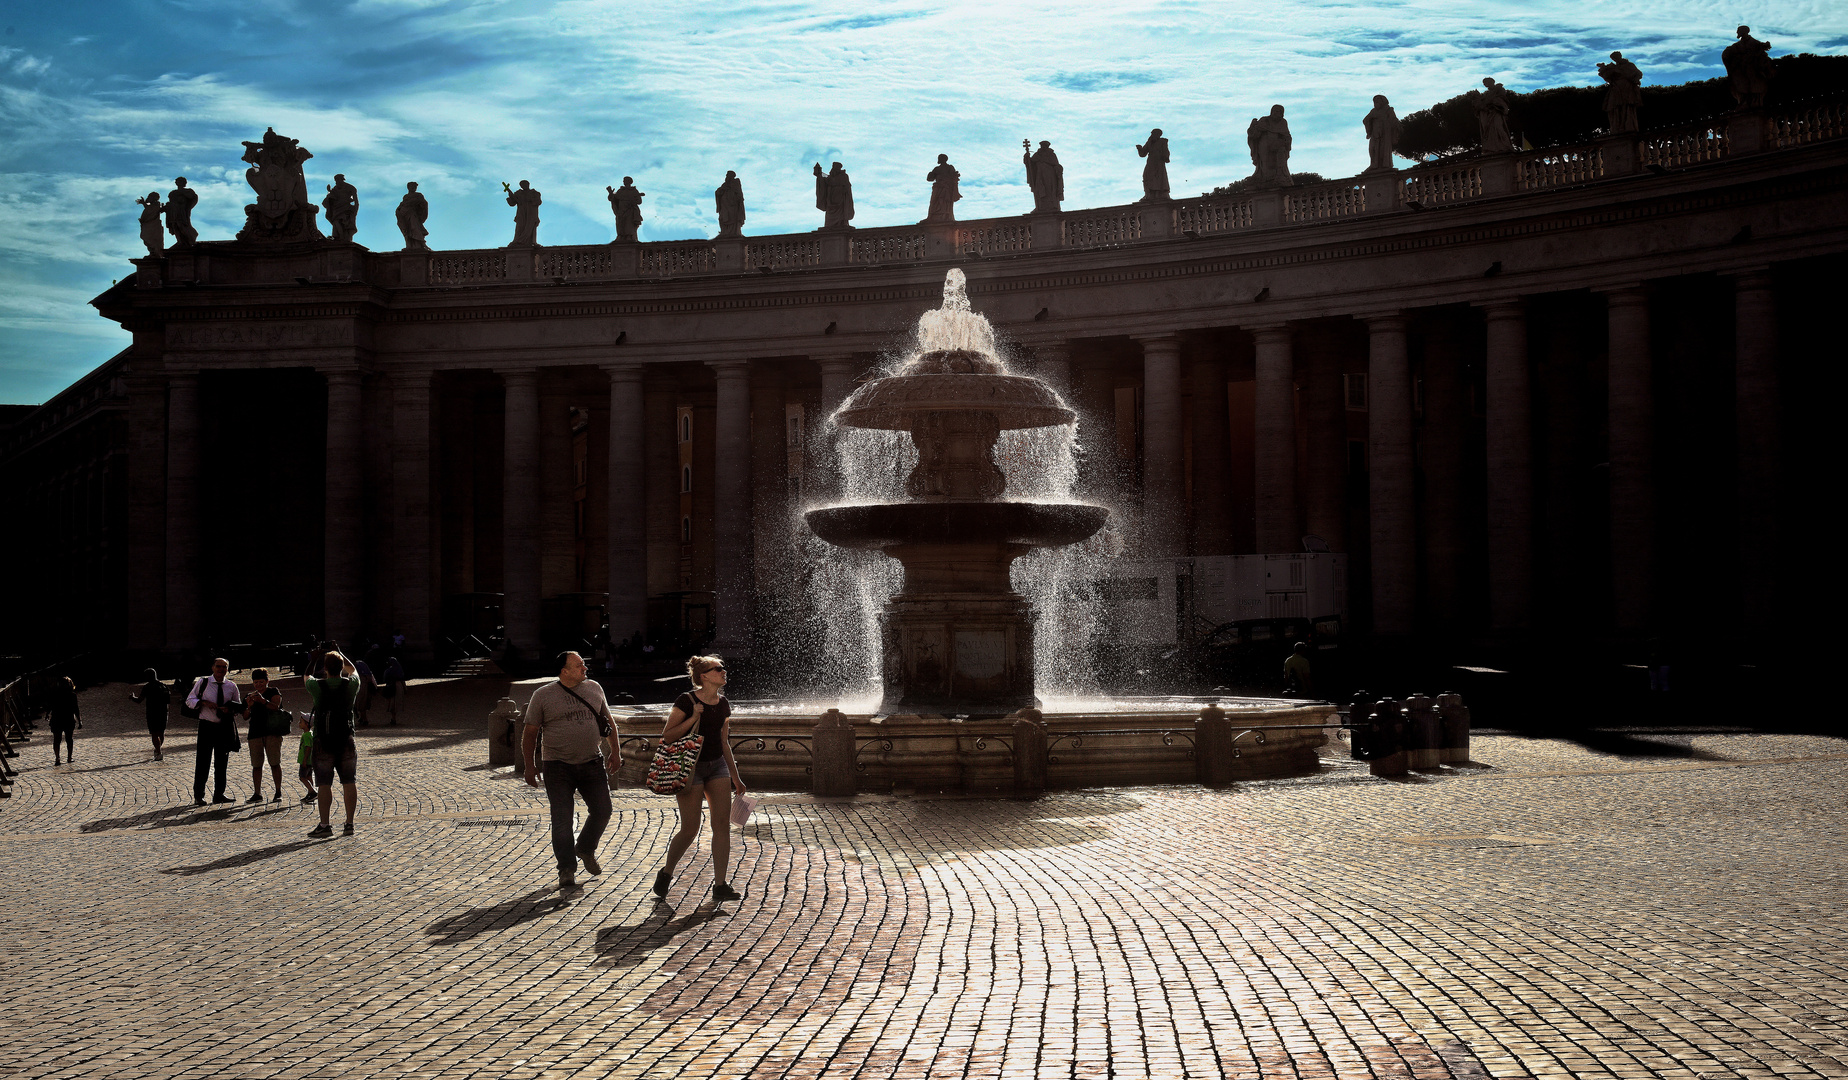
[(686, 530), (686, 478), (686, 428)]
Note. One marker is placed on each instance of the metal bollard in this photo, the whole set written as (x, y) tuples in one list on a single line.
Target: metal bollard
[(1213, 747), (1387, 721), (503, 734), (831, 757), (1360, 733), (1422, 736), (1453, 717), (1029, 754)]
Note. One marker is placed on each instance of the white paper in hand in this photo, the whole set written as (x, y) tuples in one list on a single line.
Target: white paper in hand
[(742, 806)]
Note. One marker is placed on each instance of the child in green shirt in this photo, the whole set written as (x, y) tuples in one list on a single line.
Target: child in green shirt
[(304, 757)]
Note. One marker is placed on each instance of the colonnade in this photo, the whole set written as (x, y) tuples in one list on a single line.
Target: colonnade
[(1291, 475)]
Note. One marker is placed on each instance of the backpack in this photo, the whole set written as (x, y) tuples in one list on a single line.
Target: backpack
[(333, 714)]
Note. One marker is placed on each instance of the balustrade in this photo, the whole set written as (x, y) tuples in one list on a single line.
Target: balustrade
[(575, 263), (1435, 187), (1209, 217), (668, 260), (1558, 167), (994, 240), (468, 267), (1827, 120), (1322, 203), (1688, 145), (782, 254), (888, 247), (1105, 230)]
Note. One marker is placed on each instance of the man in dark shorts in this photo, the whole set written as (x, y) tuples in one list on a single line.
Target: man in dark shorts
[(334, 750), (573, 716)]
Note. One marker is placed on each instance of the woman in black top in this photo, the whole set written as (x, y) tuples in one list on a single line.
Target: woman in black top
[(63, 719), (154, 694), (269, 722), (715, 777)]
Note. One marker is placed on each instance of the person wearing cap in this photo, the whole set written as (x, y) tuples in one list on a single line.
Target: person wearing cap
[(269, 722)]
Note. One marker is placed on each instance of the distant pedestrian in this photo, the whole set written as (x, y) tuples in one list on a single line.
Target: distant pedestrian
[(156, 698), (1298, 679), (63, 719), (368, 685), (304, 756), (391, 687), (269, 722), (715, 777), (574, 719), (334, 750), (214, 700)]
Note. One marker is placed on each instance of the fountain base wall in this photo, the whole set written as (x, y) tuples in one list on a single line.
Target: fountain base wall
[(957, 653)]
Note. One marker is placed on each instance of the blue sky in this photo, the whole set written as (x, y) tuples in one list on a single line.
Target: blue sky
[(102, 102)]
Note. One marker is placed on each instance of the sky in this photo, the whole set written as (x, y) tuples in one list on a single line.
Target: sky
[(101, 103)]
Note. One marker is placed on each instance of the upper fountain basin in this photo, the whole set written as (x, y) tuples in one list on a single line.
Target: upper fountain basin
[(882, 525), (953, 380)]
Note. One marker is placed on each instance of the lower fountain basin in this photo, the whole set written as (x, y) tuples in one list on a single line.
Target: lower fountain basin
[(883, 525)]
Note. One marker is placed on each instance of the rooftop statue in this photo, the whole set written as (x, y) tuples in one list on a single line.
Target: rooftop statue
[(834, 196), (626, 203), (1748, 68), (728, 200), (1155, 173), (1044, 175), (342, 206), (1492, 110), (282, 210), (525, 203), (150, 224), (1624, 94), (1269, 140), (943, 192), (413, 211), (179, 208), (1382, 126)]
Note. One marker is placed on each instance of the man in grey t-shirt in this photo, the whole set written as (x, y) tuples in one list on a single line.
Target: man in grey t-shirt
[(571, 713)]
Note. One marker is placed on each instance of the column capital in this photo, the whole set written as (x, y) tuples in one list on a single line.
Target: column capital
[(410, 378), (1626, 295), (1753, 279), (1386, 322), (839, 365), (1498, 310), (626, 371), (509, 376), (730, 369), (344, 374), (1159, 343), (1272, 331)]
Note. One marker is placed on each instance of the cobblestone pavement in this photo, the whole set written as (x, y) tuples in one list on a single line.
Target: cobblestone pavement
[(1630, 905)]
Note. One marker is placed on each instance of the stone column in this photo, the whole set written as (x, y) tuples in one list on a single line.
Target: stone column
[(1093, 398), (1325, 449), (769, 488), (1631, 421), (1212, 459), (1164, 525), (146, 499), (1052, 365), (413, 614), (661, 451), (343, 561), (1441, 438), (1390, 502), (520, 515), (837, 376), (731, 481), (1510, 467), (183, 509), (627, 546), (1275, 448), (1755, 378)]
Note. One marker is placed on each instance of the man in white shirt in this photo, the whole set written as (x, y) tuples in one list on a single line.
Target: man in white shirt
[(216, 698)]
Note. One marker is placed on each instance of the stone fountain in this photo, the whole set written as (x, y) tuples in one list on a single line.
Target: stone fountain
[(957, 638)]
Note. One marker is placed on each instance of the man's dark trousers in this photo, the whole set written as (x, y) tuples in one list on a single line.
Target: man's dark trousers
[(214, 749), (562, 781)]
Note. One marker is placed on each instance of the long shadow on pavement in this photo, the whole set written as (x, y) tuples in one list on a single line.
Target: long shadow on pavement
[(627, 946), (434, 743), (242, 858), (162, 818), (455, 929)]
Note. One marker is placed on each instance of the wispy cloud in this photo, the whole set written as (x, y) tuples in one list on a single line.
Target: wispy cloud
[(98, 107)]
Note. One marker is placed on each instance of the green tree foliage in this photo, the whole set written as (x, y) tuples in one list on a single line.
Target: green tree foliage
[(1571, 114), (1250, 183)]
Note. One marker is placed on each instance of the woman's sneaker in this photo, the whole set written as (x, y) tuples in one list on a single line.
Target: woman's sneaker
[(661, 882), (323, 829), (725, 894)]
